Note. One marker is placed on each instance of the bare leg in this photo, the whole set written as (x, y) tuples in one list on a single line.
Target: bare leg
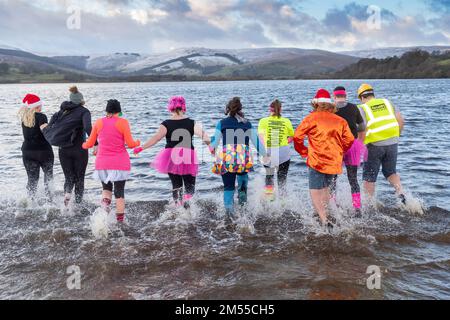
[(320, 199), (395, 181), (120, 205), (369, 188), (106, 194)]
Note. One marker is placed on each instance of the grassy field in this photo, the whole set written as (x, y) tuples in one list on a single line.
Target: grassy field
[(445, 63), (30, 78)]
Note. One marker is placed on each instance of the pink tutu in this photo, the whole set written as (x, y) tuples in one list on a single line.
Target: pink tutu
[(353, 156), (181, 161)]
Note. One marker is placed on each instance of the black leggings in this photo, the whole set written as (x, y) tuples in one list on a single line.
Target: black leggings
[(119, 188), (34, 161), (352, 174), (282, 173), (177, 185), (74, 161)]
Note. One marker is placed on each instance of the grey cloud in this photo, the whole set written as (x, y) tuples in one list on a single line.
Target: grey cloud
[(250, 22)]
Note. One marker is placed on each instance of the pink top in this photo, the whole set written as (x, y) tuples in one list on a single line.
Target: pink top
[(112, 134)]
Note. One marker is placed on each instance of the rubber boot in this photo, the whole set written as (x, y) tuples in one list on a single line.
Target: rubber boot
[(228, 199), (242, 189), (269, 192), (356, 199), (186, 201)]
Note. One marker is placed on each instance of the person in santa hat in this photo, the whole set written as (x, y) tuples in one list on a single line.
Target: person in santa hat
[(329, 138), (37, 153)]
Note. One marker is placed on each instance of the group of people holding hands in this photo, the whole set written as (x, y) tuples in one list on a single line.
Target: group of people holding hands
[(338, 133)]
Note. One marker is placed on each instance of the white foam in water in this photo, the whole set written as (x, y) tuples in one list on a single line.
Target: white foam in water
[(414, 205), (69, 211), (173, 214), (101, 223), (245, 221)]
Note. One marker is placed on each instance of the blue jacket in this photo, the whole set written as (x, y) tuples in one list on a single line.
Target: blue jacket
[(233, 132)]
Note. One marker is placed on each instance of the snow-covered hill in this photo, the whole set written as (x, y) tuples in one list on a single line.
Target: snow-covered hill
[(188, 61), (111, 63), (7, 47)]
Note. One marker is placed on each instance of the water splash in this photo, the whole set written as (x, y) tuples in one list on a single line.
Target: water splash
[(101, 223)]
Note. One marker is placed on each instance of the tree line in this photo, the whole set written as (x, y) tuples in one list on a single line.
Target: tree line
[(416, 64)]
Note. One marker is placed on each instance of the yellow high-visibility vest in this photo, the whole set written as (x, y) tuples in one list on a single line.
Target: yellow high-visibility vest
[(381, 121)]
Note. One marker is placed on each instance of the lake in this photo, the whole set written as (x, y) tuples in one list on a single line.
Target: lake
[(277, 250)]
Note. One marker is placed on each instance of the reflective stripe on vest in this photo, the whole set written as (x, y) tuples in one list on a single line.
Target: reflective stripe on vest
[(380, 127), (371, 117)]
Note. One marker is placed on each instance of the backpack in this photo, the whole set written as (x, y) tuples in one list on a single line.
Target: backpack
[(62, 129)]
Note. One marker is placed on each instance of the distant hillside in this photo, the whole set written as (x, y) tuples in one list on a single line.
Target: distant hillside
[(313, 65), (187, 63), (384, 53), (196, 64), (411, 65), (20, 66), (204, 62)]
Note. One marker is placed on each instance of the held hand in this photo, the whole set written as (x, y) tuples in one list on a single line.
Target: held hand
[(266, 160), (138, 150), (290, 140), (95, 150), (211, 150), (304, 153), (45, 125)]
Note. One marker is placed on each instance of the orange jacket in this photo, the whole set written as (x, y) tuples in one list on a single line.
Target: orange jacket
[(329, 137)]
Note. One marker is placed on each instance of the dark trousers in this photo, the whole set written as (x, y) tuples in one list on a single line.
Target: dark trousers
[(34, 161), (229, 181), (352, 175), (177, 185), (282, 173), (74, 161)]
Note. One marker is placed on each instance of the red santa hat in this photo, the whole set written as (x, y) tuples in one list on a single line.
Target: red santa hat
[(322, 96), (32, 101)]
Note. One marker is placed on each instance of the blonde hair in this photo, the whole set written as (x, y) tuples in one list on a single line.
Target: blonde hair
[(324, 106), (27, 116), (73, 89)]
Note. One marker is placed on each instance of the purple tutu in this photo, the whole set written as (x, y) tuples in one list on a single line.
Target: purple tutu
[(353, 156), (181, 161)]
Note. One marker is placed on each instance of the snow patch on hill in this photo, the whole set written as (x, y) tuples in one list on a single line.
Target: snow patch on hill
[(111, 62)]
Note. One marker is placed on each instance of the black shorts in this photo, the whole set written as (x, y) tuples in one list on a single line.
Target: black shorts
[(119, 188), (380, 156)]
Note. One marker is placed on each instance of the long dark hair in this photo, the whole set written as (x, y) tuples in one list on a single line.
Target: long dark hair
[(234, 108)]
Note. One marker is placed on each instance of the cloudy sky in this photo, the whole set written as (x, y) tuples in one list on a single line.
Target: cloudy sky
[(150, 26)]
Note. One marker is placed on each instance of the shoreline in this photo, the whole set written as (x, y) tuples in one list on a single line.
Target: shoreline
[(102, 81)]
